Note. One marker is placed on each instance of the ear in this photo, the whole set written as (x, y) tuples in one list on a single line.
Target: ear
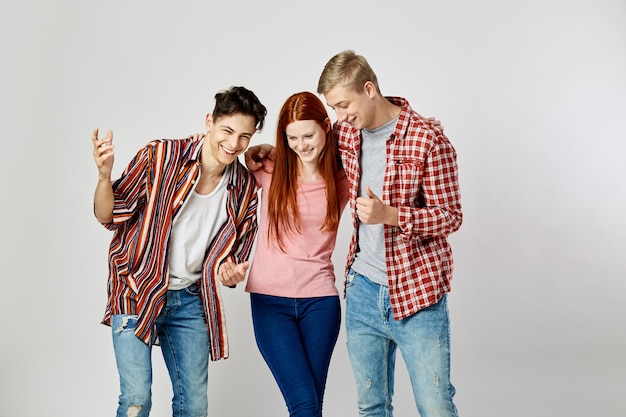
[(208, 122), (369, 89)]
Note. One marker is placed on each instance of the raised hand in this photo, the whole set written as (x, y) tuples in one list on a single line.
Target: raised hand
[(103, 153), (103, 199)]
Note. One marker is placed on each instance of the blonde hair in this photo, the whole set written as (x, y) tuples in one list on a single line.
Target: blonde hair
[(349, 69)]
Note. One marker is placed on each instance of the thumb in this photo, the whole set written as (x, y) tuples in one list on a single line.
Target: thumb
[(369, 193), (243, 266)]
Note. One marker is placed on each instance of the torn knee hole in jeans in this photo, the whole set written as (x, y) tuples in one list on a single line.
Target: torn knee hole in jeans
[(133, 410), (123, 326)]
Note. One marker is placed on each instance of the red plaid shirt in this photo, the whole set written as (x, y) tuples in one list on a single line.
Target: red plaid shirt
[(421, 182)]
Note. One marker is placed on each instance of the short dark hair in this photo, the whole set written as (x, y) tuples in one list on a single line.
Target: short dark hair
[(239, 100)]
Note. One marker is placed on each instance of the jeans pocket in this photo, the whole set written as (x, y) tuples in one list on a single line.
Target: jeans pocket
[(350, 278), (193, 289)]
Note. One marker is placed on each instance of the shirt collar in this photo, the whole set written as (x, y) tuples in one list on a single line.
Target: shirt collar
[(404, 116), (196, 148)]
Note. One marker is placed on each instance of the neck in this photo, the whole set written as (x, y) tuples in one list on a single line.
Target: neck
[(210, 176), (386, 111), (308, 172)]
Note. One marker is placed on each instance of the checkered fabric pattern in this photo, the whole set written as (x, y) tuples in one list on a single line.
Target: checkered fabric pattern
[(421, 181)]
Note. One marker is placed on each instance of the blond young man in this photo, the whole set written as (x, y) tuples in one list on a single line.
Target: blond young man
[(405, 201)]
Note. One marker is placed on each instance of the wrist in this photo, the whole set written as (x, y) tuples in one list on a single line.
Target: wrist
[(392, 216)]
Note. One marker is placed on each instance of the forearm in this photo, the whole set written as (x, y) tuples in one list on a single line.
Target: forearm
[(428, 222), (103, 201)]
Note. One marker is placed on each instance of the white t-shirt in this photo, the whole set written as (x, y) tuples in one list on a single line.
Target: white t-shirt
[(192, 232)]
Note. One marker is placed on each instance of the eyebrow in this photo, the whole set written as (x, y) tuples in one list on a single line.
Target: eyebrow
[(341, 103), (230, 129), (304, 134)]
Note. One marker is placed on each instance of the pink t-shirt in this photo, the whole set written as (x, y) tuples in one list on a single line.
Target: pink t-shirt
[(306, 269)]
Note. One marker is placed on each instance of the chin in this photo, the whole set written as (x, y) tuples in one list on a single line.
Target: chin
[(227, 160)]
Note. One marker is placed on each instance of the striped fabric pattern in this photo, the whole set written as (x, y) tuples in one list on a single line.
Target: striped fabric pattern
[(149, 194), (421, 180)]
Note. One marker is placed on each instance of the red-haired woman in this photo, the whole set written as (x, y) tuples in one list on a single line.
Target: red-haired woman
[(295, 304)]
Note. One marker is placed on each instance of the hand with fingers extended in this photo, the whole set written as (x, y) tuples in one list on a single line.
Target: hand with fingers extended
[(103, 153), (103, 197), (231, 274), (435, 122), (255, 155), (195, 136)]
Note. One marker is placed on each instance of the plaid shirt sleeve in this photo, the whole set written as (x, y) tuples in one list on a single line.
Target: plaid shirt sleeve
[(421, 181), (436, 210)]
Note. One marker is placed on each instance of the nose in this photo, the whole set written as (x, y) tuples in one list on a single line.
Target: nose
[(233, 141), (341, 115)]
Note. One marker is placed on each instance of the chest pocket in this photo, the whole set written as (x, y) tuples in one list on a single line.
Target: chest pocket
[(406, 181)]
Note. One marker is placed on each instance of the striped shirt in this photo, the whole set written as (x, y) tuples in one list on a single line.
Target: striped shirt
[(151, 191), (421, 182)]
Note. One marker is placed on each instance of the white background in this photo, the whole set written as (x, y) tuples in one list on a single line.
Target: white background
[(531, 93)]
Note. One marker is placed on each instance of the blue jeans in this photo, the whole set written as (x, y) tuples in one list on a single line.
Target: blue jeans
[(372, 338), (182, 332), (296, 337)]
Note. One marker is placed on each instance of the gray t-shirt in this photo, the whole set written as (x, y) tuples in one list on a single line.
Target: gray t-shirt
[(370, 259)]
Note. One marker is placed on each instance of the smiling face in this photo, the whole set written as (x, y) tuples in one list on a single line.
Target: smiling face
[(355, 108), (307, 139), (227, 138)]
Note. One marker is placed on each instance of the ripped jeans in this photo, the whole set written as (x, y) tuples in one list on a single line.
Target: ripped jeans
[(372, 339), (184, 341)]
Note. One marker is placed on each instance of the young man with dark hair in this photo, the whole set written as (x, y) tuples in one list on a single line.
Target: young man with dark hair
[(183, 216)]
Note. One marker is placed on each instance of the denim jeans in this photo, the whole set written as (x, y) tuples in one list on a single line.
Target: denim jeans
[(182, 332), (296, 337), (372, 338)]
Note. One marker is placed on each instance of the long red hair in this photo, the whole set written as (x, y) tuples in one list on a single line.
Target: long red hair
[(283, 214)]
